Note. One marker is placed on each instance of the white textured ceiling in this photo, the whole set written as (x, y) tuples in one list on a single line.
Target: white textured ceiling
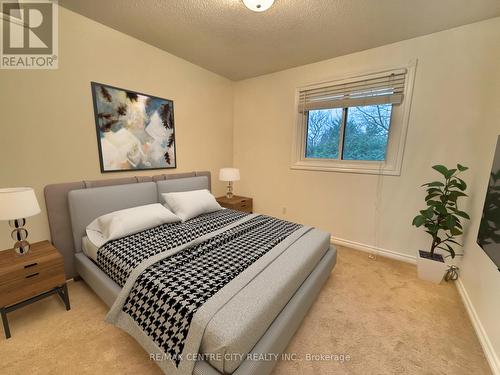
[(225, 37)]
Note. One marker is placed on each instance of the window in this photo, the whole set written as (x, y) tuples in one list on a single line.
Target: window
[(365, 133), (354, 125)]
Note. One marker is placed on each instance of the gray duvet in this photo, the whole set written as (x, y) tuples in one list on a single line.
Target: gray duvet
[(234, 320), (237, 327)]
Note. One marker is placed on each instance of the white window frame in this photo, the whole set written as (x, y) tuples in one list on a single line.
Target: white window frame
[(397, 132)]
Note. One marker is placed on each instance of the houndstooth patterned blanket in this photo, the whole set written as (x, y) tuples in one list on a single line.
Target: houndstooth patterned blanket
[(167, 292), (118, 258)]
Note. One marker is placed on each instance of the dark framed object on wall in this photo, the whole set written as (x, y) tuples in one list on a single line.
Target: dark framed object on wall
[(135, 131), (488, 237)]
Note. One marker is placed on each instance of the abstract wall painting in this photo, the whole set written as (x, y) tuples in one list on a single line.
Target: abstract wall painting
[(134, 131)]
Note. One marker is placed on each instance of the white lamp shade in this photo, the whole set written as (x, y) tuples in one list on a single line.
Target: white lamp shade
[(229, 174), (18, 203)]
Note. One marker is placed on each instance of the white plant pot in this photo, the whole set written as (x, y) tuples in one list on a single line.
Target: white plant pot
[(430, 270)]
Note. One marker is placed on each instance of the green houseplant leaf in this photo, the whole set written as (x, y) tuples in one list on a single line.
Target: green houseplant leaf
[(441, 169), (435, 183), (418, 221), (463, 214), (442, 217)]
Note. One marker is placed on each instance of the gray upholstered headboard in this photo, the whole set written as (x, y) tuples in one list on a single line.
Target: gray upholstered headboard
[(90, 199), (182, 184), (87, 204)]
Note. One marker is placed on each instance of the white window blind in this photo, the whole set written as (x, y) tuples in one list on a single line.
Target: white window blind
[(382, 88)]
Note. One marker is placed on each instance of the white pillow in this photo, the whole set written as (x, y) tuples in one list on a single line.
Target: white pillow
[(189, 204), (122, 223)]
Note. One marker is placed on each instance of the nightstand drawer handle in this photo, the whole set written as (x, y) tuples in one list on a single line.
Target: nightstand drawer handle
[(32, 275), (30, 265)]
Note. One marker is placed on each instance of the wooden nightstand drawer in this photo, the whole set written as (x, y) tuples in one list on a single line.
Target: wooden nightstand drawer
[(25, 279), (31, 284), (25, 276), (244, 204), (21, 271)]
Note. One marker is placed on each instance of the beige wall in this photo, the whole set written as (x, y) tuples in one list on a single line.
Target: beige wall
[(47, 121), (454, 118), (47, 134)]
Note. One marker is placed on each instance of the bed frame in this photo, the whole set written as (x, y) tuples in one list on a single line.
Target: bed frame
[(71, 207)]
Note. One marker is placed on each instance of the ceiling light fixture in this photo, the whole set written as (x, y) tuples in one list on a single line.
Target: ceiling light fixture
[(258, 5)]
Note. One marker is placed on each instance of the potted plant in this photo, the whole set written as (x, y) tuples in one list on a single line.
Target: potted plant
[(442, 220)]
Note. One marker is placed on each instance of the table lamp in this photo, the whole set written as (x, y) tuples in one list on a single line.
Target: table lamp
[(229, 175), (16, 204)]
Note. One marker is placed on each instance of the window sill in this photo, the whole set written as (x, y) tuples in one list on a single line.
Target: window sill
[(361, 167)]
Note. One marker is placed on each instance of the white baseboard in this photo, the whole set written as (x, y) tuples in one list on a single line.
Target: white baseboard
[(488, 350), (374, 250)]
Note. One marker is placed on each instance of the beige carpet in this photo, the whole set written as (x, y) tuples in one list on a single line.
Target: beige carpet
[(374, 311)]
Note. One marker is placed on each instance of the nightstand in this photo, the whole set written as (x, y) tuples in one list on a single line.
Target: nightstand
[(237, 203), (25, 279)]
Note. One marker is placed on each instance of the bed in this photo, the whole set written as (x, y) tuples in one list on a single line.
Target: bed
[(254, 322)]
